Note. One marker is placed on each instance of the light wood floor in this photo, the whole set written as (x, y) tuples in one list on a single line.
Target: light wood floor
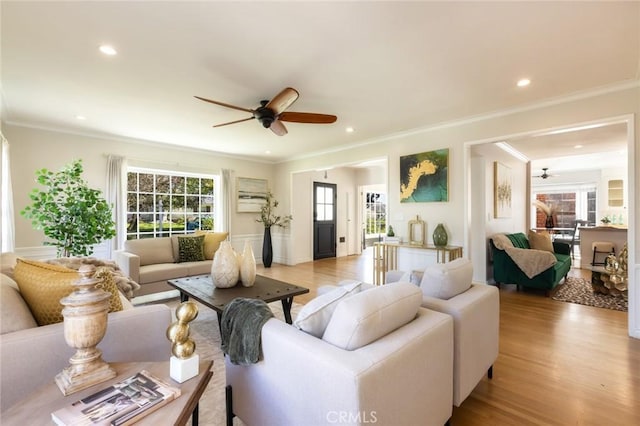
[(559, 363)]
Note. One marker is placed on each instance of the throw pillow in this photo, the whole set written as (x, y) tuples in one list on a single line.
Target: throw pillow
[(42, 285), (540, 241), (190, 249), (315, 315), (109, 285), (367, 316), (446, 280), (8, 262), (212, 241), (15, 314)]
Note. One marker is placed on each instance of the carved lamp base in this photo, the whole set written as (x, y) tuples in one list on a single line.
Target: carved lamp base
[(76, 377)]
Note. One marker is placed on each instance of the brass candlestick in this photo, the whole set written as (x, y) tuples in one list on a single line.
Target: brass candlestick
[(85, 324)]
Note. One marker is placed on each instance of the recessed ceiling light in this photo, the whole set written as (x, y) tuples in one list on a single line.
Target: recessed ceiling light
[(108, 50), (267, 152), (578, 146), (350, 130), (524, 82), (80, 117)]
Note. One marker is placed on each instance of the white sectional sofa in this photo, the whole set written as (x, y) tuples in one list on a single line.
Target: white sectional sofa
[(381, 359)]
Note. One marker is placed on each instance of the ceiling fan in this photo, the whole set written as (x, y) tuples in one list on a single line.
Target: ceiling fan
[(544, 174), (272, 113)]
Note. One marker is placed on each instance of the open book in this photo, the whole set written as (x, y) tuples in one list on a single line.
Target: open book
[(120, 404)]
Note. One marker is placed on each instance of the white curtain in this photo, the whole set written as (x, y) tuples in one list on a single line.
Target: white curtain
[(6, 197), (226, 200), (115, 195)]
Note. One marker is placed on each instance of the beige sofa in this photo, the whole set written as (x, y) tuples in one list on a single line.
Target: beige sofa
[(152, 261), (31, 356)]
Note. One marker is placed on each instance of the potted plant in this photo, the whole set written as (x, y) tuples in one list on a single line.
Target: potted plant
[(268, 218), (71, 214)]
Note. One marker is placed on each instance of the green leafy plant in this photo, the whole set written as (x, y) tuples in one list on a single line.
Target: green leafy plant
[(267, 216), (70, 213)]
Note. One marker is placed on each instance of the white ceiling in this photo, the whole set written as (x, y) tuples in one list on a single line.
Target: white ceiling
[(381, 67)]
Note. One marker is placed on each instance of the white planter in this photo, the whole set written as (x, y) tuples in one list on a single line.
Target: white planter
[(225, 270), (247, 266)]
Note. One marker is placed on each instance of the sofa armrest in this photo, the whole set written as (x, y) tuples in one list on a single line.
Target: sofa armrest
[(129, 263), (388, 379), (31, 358), (476, 317)]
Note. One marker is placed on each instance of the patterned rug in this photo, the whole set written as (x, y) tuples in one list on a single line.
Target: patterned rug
[(578, 290), (204, 330)]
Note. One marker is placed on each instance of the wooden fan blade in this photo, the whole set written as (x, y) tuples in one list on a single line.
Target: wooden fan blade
[(307, 117), (225, 105), (234, 122), (283, 100), (278, 128)]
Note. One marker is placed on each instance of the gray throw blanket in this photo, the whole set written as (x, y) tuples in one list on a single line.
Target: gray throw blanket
[(242, 322)]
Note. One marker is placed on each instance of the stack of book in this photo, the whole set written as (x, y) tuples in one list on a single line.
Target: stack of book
[(121, 404)]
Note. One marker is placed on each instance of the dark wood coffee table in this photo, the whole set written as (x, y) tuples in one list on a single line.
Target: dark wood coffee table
[(201, 288)]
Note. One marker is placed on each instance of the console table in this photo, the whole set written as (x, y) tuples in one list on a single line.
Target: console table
[(385, 256)]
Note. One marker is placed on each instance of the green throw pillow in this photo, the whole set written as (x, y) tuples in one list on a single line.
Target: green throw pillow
[(190, 249)]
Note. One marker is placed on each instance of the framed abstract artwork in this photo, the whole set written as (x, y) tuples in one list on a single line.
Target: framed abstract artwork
[(501, 190), (424, 177), (252, 194)]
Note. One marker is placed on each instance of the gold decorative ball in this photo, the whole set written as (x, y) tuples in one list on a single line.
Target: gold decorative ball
[(187, 311), (178, 332), (183, 350)]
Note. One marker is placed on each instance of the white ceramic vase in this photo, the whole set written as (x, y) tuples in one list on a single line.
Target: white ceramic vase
[(225, 270), (247, 266)]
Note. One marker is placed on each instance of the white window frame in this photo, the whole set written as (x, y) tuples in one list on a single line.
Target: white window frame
[(217, 199)]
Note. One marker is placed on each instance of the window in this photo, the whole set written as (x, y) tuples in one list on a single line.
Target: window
[(161, 203), (569, 204), (375, 213)]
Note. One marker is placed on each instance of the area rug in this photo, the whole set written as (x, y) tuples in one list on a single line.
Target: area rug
[(578, 290), (204, 330)]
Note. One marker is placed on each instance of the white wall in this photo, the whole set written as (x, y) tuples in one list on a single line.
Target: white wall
[(33, 149)]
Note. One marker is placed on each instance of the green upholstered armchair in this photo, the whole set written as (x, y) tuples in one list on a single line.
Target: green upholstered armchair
[(506, 271)]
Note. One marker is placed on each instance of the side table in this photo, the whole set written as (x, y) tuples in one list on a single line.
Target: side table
[(601, 283), (36, 409)]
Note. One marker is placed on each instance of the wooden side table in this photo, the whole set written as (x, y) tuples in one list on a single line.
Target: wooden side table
[(36, 409)]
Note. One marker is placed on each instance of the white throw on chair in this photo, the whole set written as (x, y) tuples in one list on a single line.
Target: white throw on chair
[(475, 309)]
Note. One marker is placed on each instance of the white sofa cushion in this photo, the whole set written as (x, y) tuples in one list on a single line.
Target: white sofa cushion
[(445, 280), (369, 315), (315, 315)]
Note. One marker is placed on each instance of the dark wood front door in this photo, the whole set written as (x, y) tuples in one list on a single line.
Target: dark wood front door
[(324, 220)]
